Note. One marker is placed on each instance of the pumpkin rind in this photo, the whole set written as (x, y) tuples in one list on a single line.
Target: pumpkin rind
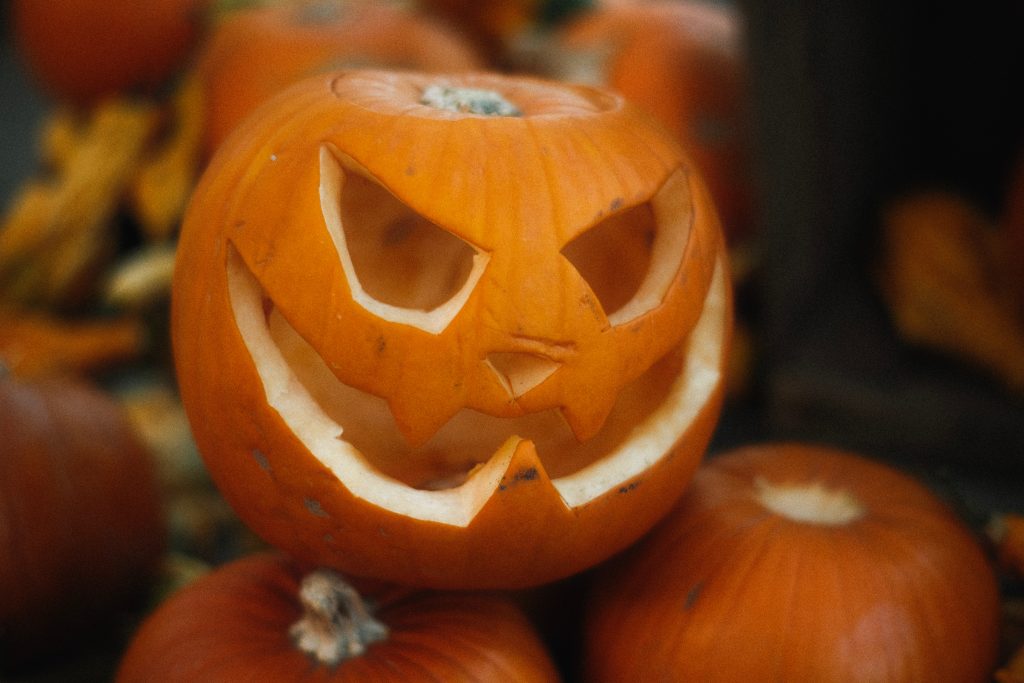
[(682, 62), (251, 55), (83, 50), (233, 624), (81, 521), (508, 188), (877, 580)]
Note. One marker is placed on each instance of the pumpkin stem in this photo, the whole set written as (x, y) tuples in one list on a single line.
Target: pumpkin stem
[(468, 101), (336, 623)]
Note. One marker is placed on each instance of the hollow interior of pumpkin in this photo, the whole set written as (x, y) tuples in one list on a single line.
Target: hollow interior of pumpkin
[(452, 475)]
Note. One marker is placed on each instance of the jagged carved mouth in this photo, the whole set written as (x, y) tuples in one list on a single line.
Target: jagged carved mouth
[(451, 477)]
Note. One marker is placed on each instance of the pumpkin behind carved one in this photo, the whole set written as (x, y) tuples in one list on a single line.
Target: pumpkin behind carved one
[(83, 50), (458, 331), (252, 54), (81, 525), (799, 563), (264, 618), (683, 62)]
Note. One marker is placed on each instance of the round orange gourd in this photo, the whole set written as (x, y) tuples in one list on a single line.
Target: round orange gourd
[(83, 50), (459, 331), (263, 618), (683, 62), (251, 55), (81, 526), (798, 563)]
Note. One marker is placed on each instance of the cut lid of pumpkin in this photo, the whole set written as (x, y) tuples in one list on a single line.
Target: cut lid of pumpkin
[(450, 478)]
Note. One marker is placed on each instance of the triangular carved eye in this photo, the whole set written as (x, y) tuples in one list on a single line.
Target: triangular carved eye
[(630, 259), (399, 265)]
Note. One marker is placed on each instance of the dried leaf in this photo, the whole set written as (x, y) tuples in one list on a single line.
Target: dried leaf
[(142, 279), (938, 280), (57, 231), (164, 182), (38, 345)]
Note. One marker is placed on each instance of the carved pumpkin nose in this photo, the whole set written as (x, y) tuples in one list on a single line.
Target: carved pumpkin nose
[(519, 372)]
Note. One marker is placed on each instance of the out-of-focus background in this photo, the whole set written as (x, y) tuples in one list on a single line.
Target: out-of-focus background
[(877, 303)]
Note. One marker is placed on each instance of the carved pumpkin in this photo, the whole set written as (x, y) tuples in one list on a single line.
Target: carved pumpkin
[(81, 525), (448, 347), (798, 563), (83, 50), (253, 54), (264, 618), (683, 62)]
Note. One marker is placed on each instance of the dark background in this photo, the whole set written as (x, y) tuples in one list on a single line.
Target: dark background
[(854, 103)]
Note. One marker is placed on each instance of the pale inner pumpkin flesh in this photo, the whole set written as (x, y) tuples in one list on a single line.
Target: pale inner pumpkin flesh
[(450, 478)]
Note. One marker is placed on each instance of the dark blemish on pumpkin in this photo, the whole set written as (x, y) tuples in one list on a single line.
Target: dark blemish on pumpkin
[(588, 301), (616, 204), (261, 459), (329, 539), (382, 344), (629, 487), (692, 595), (314, 507), (239, 224), (529, 474), (410, 170)]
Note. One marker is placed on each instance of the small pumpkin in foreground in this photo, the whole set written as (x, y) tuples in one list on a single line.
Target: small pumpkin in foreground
[(798, 563), (266, 618), (456, 331), (252, 54), (81, 524)]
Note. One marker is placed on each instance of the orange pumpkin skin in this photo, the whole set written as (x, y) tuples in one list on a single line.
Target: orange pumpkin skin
[(82, 50), (730, 589), (80, 518), (683, 62), (251, 55), (571, 480), (233, 625)]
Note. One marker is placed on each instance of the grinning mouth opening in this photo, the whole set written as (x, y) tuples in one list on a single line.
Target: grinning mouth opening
[(450, 478)]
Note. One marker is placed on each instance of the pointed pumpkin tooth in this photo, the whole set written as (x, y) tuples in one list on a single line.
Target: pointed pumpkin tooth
[(587, 417), (418, 423), (524, 466)]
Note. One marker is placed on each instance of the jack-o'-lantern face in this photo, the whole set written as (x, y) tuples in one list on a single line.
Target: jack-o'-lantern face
[(459, 331)]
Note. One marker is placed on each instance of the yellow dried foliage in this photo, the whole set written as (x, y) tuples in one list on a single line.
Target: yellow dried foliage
[(57, 231), (164, 181), (38, 345)]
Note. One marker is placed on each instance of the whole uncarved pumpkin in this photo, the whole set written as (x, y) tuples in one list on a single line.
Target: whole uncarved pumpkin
[(253, 54), (799, 563), (684, 62), (81, 523), (239, 624), (450, 330), (83, 50)]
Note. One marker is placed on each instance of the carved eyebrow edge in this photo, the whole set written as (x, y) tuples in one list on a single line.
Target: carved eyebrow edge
[(672, 207), (334, 165)]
